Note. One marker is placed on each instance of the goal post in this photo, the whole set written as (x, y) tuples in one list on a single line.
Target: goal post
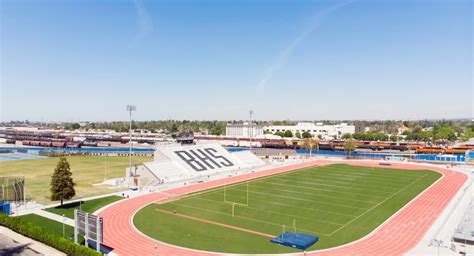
[(234, 203), (226, 200)]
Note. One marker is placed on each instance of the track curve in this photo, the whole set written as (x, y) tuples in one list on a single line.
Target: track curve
[(396, 236)]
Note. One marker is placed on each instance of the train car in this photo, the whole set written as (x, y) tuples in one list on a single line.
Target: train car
[(326, 146), (10, 141), (89, 143), (73, 145), (412, 146), (430, 150), (34, 143), (45, 143), (467, 147), (58, 144), (367, 146), (456, 151), (26, 143), (398, 147)]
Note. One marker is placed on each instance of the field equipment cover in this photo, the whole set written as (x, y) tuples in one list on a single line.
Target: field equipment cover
[(295, 240)]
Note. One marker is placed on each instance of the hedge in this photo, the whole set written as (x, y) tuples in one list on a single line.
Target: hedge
[(42, 235)]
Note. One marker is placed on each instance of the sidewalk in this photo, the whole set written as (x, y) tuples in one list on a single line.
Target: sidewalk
[(34, 246), (55, 217)]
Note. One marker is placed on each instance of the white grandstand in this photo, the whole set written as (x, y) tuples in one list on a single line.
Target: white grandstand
[(175, 163)]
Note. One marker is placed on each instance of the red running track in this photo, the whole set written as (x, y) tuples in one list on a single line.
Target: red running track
[(396, 236)]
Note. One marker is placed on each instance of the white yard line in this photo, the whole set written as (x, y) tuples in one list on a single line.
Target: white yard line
[(368, 177), (300, 199), (247, 218), (335, 186), (309, 194), (320, 189), (409, 185), (346, 181), (279, 213)]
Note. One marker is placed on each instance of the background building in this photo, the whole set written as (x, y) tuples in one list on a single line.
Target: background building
[(326, 131), (244, 130)]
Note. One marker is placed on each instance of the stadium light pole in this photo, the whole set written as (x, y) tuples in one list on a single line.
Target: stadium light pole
[(250, 128), (130, 108)]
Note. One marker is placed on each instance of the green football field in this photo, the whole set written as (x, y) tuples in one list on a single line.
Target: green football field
[(339, 203)]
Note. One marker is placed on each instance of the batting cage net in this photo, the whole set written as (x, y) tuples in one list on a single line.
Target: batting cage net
[(12, 188)]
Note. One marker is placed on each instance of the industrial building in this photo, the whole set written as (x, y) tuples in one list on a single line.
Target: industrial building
[(326, 131), (244, 130)]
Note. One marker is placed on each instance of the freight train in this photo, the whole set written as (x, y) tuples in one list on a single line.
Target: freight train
[(54, 144)]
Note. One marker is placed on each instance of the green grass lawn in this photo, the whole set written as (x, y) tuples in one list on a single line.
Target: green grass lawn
[(51, 225), (87, 171), (339, 203), (89, 206)]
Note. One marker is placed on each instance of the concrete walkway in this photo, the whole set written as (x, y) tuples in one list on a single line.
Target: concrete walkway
[(33, 247), (55, 217)]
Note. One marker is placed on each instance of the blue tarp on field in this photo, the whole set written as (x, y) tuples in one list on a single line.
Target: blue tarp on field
[(295, 240)]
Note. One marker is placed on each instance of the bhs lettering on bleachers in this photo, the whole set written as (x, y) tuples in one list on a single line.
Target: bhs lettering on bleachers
[(203, 159)]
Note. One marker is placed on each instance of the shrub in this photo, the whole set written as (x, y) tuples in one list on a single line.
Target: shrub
[(42, 235)]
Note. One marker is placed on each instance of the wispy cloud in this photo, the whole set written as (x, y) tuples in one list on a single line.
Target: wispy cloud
[(283, 56), (145, 25)]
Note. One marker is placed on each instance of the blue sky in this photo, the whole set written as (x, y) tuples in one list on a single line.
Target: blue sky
[(216, 59)]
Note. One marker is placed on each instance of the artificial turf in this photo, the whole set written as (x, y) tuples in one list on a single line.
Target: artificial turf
[(339, 203), (89, 206), (51, 225)]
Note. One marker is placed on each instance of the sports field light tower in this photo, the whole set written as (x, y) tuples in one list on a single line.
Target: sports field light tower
[(130, 108), (250, 128)]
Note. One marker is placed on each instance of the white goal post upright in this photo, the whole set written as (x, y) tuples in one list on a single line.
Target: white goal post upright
[(237, 203)]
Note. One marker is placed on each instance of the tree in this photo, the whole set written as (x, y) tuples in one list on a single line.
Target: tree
[(281, 134), (468, 133), (288, 134), (174, 128), (75, 126), (350, 146), (425, 136), (62, 185), (394, 138), (298, 135), (443, 133), (417, 128), (347, 136), (306, 135), (310, 144)]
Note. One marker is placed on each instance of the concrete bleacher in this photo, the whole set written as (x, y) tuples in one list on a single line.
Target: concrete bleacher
[(178, 162)]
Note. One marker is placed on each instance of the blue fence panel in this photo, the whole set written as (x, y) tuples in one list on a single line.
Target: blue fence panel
[(5, 207), (425, 157)]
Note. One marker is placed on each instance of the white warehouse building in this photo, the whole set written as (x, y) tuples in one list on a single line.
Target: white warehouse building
[(326, 131), (244, 130)]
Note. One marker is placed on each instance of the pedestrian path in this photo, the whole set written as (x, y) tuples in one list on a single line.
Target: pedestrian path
[(9, 238), (55, 217)]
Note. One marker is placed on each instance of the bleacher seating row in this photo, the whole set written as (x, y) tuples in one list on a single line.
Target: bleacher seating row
[(179, 162)]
